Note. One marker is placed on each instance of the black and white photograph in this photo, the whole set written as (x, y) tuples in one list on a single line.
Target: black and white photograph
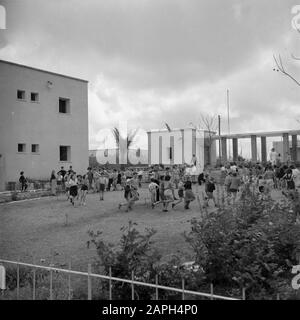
[(149, 151)]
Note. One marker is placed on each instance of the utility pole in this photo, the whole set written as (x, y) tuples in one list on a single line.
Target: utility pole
[(228, 121), (219, 127)]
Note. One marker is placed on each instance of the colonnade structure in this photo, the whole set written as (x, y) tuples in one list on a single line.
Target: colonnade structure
[(286, 151)]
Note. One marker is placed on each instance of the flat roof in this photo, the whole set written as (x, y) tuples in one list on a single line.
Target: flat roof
[(45, 71), (258, 134), (174, 130)]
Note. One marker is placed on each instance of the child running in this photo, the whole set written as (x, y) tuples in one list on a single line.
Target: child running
[(73, 187), (102, 183), (84, 189), (153, 189), (180, 194)]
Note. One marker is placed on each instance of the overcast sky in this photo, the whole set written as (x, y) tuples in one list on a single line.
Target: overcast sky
[(151, 61)]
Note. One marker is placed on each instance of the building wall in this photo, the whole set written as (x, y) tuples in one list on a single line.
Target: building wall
[(104, 156), (186, 143), (278, 145), (40, 122)]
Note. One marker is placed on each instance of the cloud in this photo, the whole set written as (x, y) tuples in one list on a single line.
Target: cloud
[(151, 61)]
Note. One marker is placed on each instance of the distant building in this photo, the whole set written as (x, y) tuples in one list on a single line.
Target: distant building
[(278, 145), (110, 156), (43, 122), (169, 147)]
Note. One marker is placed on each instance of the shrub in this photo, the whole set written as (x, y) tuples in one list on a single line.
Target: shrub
[(251, 245)]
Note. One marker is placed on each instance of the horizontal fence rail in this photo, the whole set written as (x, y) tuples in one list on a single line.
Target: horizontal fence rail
[(132, 282)]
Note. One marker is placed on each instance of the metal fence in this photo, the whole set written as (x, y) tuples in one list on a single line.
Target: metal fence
[(109, 278)]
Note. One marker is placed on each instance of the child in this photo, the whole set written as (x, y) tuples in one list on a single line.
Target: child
[(102, 184), (23, 181), (180, 194), (189, 195), (168, 193), (261, 184), (209, 190), (73, 188), (84, 189), (153, 189)]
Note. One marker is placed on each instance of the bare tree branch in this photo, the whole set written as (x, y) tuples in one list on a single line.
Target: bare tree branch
[(280, 68)]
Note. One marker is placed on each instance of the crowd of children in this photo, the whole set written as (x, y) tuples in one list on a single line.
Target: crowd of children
[(164, 181)]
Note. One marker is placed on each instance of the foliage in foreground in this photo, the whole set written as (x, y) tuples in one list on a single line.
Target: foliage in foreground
[(253, 244)]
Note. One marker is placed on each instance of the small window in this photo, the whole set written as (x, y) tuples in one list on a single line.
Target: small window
[(21, 147), (64, 153), (35, 148), (34, 97), (21, 95), (64, 105)]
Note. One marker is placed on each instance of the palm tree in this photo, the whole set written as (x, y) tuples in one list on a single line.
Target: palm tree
[(118, 138)]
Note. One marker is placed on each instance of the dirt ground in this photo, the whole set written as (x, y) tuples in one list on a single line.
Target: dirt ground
[(36, 229)]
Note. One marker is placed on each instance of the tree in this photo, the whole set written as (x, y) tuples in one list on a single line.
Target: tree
[(128, 139), (282, 69), (210, 124)]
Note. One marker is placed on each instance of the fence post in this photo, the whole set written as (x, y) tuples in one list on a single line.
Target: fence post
[(132, 286), (33, 281), (89, 282), (156, 289), (51, 280), (69, 283), (18, 281), (212, 291), (182, 282), (244, 293), (110, 293)]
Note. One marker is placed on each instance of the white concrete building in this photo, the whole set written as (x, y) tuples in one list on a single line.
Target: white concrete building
[(178, 146), (43, 122)]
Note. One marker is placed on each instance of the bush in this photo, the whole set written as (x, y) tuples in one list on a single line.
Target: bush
[(251, 245)]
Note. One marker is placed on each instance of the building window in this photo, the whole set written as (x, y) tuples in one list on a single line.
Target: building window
[(35, 148), (21, 95), (64, 105), (64, 153), (21, 147), (34, 97)]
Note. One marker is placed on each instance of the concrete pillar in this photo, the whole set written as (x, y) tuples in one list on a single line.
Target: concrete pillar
[(285, 146), (224, 149), (182, 139), (253, 148), (294, 147), (172, 150), (263, 149), (160, 150), (235, 149), (149, 148)]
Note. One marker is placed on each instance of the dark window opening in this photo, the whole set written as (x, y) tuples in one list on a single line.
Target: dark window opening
[(34, 96), (21, 147), (21, 94), (64, 105), (64, 153), (34, 148)]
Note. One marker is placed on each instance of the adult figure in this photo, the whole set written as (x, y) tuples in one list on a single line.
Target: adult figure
[(273, 156), (23, 181), (90, 177), (194, 160), (62, 172)]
